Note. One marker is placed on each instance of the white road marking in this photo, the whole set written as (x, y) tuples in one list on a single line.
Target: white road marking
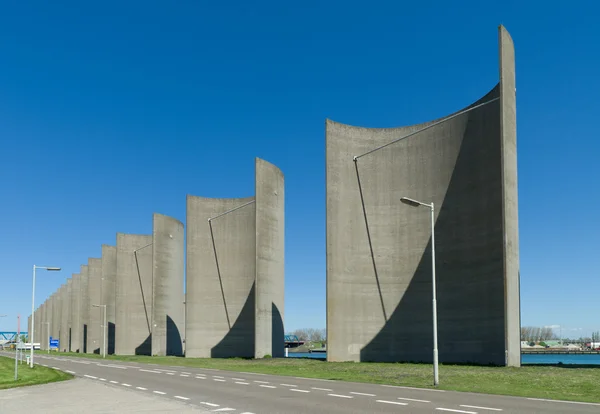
[(112, 366), (362, 393), (312, 379), (456, 411), (223, 409), (340, 396), (200, 377), (243, 383), (159, 392), (391, 402), (562, 401), (238, 379), (170, 373), (217, 376), (150, 370), (411, 388), (181, 398), (267, 386), (70, 372), (219, 380), (165, 370), (56, 368), (246, 412), (481, 408), (141, 388), (262, 382), (297, 390), (188, 373), (412, 399), (102, 379), (209, 404), (321, 389), (288, 385), (90, 376), (114, 382), (126, 385), (182, 375)]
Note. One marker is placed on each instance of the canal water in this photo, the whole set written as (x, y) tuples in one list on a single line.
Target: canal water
[(575, 359)]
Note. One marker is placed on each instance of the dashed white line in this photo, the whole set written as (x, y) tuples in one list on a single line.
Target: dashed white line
[(217, 376), (297, 390), (70, 372), (562, 401), (150, 370), (288, 385), (412, 399), (188, 373), (481, 408), (321, 389), (165, 370), (200, 377), (126, 385), (219, 380), (170, 373), (209, 404), (90, 376), (242, 383), (141, 388), (391, 402), (238, 379), (159, 392), (262, 382), (181, 398), (56, 368), (114, 382), (362, 393), (102, 379), (340, 396), (411, 388), (183, 375), (456, 411), (267, 386), (223, 409)]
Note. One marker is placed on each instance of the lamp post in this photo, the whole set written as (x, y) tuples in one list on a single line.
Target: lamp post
[(103, 330), (48, 331), (415, 203), (33, 303)]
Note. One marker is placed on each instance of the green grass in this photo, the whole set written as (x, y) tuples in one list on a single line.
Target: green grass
[(27, 376), (567, 382)]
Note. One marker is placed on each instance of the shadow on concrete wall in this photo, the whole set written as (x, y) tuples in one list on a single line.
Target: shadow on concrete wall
[(470, 281), (70, 340), (174, 343), (111, 338), (84, 345), (277, 333), (145, 348), (239, 341)]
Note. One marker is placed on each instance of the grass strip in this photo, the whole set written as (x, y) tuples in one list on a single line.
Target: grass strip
[(27, 376)]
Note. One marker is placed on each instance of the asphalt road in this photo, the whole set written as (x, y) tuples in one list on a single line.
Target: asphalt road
[(248, 393)]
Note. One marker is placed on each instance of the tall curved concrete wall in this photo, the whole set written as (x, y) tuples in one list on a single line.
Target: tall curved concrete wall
[(109, 276), (220, 304), (65, 320), (94, 331), (56, 313), (270, 198), (235, 271), (379, 250), (84, 309), (133, 305), (167, 286), (75, 313), (48, 313)]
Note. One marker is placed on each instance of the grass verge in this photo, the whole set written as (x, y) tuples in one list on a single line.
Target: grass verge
[(565, 382), (27, 376)]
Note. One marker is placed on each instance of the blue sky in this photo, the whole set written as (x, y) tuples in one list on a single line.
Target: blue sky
[(112, 111)]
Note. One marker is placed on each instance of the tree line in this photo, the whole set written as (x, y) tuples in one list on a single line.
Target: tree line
[(311, 334)]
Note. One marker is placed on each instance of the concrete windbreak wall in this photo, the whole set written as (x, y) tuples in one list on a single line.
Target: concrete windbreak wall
[(56, 311), (75, 313), (94, 292), (167, 286), (234, 284), (379, 290), (65, 322), (49, 309), (109, 276), (84, 301), (133, 305)]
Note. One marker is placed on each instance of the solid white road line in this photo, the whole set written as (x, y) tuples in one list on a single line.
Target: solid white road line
[(159, 392), (219, 380), (262, 382), (297, 390), (70, 372), (141, 388), (362, 393), (209, 404), (562, 401), (288, 385), (114, 382), (340, 396), (412, 399), (321, 389), (267, 386), (456, 411), (150, 370), (391, 402), (126, 385), (90, 376), (181, 398), (243, 383), (481, 408)]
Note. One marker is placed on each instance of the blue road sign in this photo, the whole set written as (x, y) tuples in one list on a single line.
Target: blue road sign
[(53, 343)]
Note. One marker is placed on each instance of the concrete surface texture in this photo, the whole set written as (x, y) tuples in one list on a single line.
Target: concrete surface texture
[(85, 396), (379, 291), (94, 330), (56, 314), (84, 309), (227, 257), (109, 276), (75, 313), (65, 320), (48, 311), (133, 295), (167, 286)]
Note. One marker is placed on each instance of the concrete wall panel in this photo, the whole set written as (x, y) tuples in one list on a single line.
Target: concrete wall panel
[(76, 313), (270, 199), (56, 313), (379, 250), (94, 331), (108, 289), (48, 313), (133, 306), (84, 321), (167, 291), (221, 261), (65, 322)]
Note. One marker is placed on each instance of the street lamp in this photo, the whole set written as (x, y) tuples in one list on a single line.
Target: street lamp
[(32, 305), (415, 203), (103, 330)]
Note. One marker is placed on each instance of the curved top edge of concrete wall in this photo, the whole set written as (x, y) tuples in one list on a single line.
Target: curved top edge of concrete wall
[(505, 35), (108, 246), (93, 259), (166, 218), (260, 163), (200, 199), (132, 234)]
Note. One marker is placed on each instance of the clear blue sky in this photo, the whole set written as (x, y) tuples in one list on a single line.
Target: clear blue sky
[(112, 111)]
